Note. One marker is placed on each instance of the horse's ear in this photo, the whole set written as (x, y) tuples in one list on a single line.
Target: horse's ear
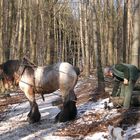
[(25, 59)]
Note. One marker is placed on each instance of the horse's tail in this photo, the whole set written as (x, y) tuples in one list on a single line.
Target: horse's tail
[(77, 70)]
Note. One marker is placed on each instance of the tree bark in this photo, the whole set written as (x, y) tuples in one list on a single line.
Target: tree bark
[(125, 33), (110, 33), (97, 46), (20, 49), (1, 28), (135, 45), (81, 35), (87, 54)]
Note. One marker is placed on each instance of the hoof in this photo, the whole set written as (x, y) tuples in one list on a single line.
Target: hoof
[(68, 112), (57, 117), (61, 117), (33, 118)]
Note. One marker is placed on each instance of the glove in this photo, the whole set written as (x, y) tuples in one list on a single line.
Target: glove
[(125, 81)]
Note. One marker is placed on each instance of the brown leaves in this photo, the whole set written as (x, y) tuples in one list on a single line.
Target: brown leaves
[(89, 123)]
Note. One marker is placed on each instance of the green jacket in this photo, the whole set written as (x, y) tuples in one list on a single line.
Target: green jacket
[(127, 71)]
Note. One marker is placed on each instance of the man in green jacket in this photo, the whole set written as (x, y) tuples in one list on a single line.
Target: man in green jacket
[(125, 77)]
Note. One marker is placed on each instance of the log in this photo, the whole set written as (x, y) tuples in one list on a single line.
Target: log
[(135, 101)]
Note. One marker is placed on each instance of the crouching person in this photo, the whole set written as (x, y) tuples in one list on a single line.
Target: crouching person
[(125, 77)]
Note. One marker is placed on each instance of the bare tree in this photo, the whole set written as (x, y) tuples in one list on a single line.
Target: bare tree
[(1, 28), (136, 42), (97, 46), (81, 34), (48, 31), (87, 54), (125, 30), (110, 31)]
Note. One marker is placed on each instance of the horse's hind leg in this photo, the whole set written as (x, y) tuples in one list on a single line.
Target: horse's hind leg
[(34, 114), (69, 110)]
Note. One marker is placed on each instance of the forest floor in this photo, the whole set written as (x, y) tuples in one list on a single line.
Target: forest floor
[(91, 123)]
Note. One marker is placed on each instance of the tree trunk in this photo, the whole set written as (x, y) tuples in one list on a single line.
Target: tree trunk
[(110, 33), (87, 54), (20, 49), (1, 27), (5, 30), (81, 35), (125, 33), (135, 45), (119, 34), (25, 47), (97, 47), (32, 47), (129, 34)]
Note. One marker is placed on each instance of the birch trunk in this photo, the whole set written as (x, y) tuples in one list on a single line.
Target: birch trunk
[(81, 35), (25, 49), (32, 50), (135, 45), (1, 24), (87, 54), (20, 49), (110, 34)]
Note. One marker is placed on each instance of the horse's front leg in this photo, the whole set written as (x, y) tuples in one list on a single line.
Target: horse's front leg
[(69, 110), (34, 114)]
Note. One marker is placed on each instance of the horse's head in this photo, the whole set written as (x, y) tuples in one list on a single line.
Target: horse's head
[(7, 71)]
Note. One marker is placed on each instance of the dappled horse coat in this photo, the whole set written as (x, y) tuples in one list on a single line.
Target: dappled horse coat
[(44, 80)]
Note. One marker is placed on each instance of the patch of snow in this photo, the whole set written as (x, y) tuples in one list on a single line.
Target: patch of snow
[(97, 136), (15, 127)]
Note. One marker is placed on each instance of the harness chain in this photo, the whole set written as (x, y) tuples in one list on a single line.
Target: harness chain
[(35, 90)]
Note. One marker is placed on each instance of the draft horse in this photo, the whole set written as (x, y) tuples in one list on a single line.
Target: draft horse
[(33, 79)]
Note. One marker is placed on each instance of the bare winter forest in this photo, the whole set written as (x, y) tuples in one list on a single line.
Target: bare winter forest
[(90, 34), (82, 32)]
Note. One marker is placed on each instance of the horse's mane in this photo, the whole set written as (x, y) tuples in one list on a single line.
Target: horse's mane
[(10, 66)]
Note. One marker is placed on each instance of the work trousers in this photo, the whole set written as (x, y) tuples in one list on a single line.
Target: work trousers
[(123, 91)]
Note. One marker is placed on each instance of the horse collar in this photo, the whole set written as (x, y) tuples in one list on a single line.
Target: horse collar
[(23, 70), (19, 74)]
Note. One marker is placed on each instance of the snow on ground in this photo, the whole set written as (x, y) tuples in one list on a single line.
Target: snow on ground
[(15, 127)]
